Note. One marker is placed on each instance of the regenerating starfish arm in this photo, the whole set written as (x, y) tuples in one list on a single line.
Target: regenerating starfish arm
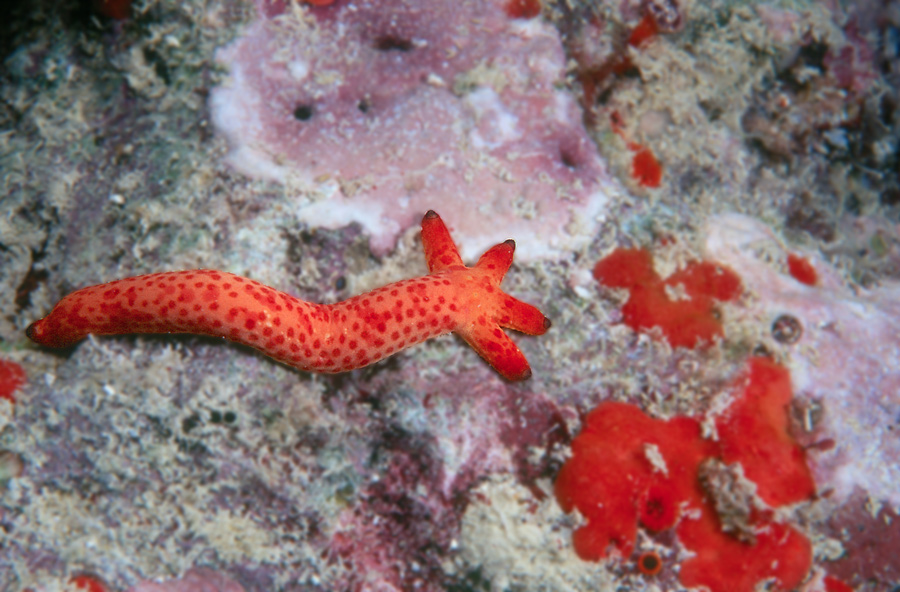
[(315, 337)]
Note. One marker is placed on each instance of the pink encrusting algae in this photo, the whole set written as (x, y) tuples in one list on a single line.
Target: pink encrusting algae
[(371, 114), (315, 337)]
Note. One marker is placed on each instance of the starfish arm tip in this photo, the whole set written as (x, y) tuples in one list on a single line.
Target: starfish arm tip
[(30, 331), (497, 260), (46, 335), (497, 349), (440, 250), (523, 317), (517, 374)]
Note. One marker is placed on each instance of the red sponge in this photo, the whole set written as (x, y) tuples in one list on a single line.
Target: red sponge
[(612, 481), (626, 268), (685, 322), (12, 377), (628, 468), (725, 564), (754, 432)]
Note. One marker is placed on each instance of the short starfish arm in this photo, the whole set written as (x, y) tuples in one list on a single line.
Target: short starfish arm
[(497, 260), (440, 250), (498, 350), (511, 313), (519, 316)]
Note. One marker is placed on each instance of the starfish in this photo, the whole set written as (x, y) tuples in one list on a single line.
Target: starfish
[(314, 337)]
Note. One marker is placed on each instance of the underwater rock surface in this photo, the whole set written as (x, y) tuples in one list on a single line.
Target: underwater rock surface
[(303, 157)]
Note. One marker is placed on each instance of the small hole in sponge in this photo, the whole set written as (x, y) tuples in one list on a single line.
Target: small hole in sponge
[(363, 106), (568, 158), (393, 43), (570, 152), (303, 112)]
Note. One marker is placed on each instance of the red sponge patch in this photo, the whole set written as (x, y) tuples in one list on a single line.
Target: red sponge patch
[(703, 279), (626, 268), (833, 584), (683, 306), (88, 583), (724, 564), (802, 270), (12, 377), (754, 432), (645, 169), (627, 468), (612, 480)]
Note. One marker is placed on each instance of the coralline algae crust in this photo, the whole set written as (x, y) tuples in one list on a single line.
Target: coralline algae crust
[(374, 115)]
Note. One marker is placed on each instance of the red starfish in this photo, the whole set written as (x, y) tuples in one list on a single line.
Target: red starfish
[(315, 337)]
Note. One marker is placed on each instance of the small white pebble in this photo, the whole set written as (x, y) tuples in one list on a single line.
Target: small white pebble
[(435, 80)]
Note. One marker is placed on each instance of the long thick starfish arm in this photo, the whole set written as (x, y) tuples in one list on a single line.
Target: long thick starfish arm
[(315, 337)]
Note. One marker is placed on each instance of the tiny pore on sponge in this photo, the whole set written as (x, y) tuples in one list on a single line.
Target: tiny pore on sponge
[(628, 469), (687, 321)]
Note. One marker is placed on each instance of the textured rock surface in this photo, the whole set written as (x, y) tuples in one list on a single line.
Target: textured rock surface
[(139, 459)]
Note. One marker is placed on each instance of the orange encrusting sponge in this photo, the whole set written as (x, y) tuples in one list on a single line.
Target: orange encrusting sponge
[(802, 270), (12, 377), (686, 321), (627, 469), (611, 481), (315, 337), (754, 431)]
